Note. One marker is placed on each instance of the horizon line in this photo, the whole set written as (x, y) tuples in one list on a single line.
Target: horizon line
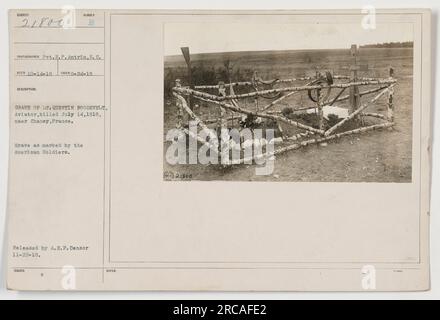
[(267, 50)]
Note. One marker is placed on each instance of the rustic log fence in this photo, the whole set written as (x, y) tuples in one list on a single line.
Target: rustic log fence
[(231, 105)]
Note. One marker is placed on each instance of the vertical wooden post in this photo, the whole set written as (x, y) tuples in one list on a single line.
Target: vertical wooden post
[(280, 129), (317, 73), (354, 90), (222, 124), (390, 114), (391, 72), (228, 67), (179, 107), (222, 121), (320, 111), (255, 84), (186, 55), (318, 100)]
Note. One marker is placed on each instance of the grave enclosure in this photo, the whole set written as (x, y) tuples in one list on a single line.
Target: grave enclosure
[(323, 91)]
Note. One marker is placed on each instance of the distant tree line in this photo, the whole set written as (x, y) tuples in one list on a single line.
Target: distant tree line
[(406, 44)]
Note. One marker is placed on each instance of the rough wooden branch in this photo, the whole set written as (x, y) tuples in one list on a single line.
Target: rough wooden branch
[(263, 115), (280, 129), (249, 83), (282, 98), (307, 87), (346, 97), (185, 90), (195, 93), (314, 141), (357, 111), (300, 135), (375, 115), (390, 104), (320, 110), (278, 100), (215, 120), (191, 113), (335, 98), (297, 109)]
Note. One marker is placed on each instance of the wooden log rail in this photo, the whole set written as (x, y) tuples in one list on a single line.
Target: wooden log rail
[(294, 109), (250, 83), (270, 105), (229, 118), (278, 100), (310, 130), (358, 111), (374, 115), (184, 105), (236, 108), (236, 117), (274, 81), (295, 146), (195, 93), (362, 93), (328, 102)]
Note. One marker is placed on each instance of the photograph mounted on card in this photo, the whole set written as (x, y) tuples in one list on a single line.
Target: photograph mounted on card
[(219, 150)]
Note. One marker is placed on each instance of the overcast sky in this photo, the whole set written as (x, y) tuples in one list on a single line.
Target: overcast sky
[(216, 37)]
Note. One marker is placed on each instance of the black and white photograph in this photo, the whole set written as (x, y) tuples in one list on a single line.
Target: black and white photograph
[(288, 102)]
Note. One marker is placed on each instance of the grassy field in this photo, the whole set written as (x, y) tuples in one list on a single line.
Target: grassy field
[(378, 156)]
